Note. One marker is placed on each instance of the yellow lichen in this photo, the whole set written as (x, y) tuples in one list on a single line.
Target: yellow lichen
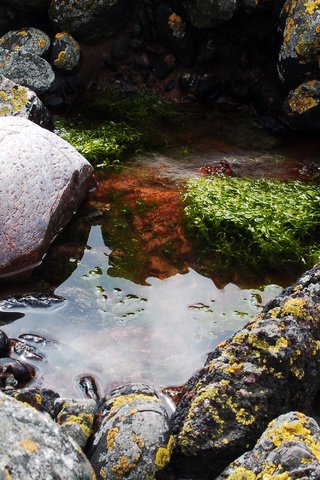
[(164, 454), (42, 43), (241, 473), (38, 398), (84, 421), (297, 372), (62, 59), (295, 307), (311, 6), (22, 33), (244, 417), (60, 34), (137, 440), (280, 343), (111, 438), (123, 467), (28, 445), (133, 397)]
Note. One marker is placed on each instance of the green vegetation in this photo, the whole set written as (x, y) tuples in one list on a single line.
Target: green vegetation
[(113, 125), (256, 222)]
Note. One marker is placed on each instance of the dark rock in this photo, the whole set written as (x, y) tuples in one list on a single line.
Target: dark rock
[(288, 449), (29, 40), (32, 301), (201, 84), (6, 17), (4, 344), (27, 69), (41, 399), (209, 13), (207, 52), (90, 20), (302, 106), (132, 439), (76, 418), (143, 61), (33, 447), (89, 388), (28, 5), (176, 34), (120, 48), (16, 100), (43, 182), (21, 347), (14, 374), (299, 54), (268, 368), (164, 66), (65, 52)]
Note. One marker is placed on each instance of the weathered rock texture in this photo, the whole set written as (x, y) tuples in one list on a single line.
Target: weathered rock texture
[(43, 180), (29, 40), (302, 106), (90, 20), (268, 368), (33, 447), (288, 449), (300, 50), (132, 440), (65, 52), (16, 100)]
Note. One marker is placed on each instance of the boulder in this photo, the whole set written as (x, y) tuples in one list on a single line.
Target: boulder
[(300, 49), (65, 52), (43, 181), (34, 447), (269, 367), (29, 40), (302, 106), (27, 69), (288, 449), (132, 440), (16, 100), (90, 20)]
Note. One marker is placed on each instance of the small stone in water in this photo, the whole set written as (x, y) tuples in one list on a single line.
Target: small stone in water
[(89, 388)]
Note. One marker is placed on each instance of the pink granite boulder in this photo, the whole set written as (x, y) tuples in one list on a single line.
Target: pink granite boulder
[(43, 180)]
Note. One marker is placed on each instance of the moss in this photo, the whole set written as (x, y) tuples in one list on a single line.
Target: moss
[(163, 454)]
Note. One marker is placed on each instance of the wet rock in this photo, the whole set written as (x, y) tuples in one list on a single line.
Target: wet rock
[(200, 84), (133, 439), (29, 40), (26, 69), (89, 387), (302, 106), (32, 301), (34, 447), (120, 48), (288, 449), (65, 52), (41, 399), (90, 20), (14, 374), (268, 368), (16, 100), (43, 181), (28, 5), (21, 347), (299, 54), (76, 418), (176, 34), (4, 344)]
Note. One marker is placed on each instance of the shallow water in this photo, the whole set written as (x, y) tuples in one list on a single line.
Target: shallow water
[(142, 302)]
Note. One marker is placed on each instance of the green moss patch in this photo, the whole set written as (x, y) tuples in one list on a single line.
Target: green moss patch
[(256, 222)]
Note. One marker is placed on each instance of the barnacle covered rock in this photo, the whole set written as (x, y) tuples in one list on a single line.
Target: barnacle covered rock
[(300, 51), (33, 447), (65, 52), (269, 367), (19, 101), (288, 449), (90, 20), (132, 440), (29, 40)]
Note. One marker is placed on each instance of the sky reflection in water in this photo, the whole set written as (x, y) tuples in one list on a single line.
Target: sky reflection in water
[(119, 331)]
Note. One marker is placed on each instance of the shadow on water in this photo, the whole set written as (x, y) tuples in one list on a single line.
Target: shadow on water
[(142, 302)]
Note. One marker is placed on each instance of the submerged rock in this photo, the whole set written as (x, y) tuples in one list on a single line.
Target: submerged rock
[(90, 20), (14, 374), (29, 40), (269, 367), (288, 449), (16, 100), (132, 440), (43, 181), (27, 69), (33, 447)]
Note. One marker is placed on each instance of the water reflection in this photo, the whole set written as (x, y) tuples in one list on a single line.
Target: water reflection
[(119, 331)]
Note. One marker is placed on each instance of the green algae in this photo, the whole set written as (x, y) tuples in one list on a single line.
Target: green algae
[(257, 223)]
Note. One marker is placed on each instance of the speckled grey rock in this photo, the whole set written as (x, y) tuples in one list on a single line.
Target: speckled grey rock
[(90, 20), (28, 5), (33, 447), (299, 53), (288, 449), (43, 180), (76, 418), (65, 52), (133, 439), (27, 69), (20, 101), (29, 40), (268, 368)]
